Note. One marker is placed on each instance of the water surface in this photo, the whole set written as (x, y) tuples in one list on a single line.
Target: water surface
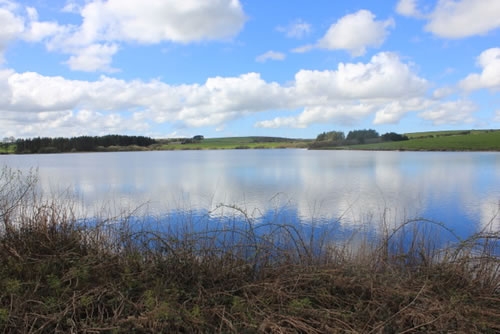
[(459, 189)]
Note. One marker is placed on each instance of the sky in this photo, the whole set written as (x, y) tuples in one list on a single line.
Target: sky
[(222, 68)]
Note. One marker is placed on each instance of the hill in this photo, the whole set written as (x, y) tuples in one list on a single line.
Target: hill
[(460, 140), (251, 142)]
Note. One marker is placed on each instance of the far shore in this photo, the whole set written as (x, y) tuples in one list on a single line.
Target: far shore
[(435, 141)]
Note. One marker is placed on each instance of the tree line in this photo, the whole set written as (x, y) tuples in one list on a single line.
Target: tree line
[(338, 138), (78, 144)]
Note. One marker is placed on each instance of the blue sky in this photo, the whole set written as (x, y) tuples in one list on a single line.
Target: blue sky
[(169, 68)]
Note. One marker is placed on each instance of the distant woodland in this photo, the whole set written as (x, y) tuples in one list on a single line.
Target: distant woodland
[(79, 144), (355, 137)]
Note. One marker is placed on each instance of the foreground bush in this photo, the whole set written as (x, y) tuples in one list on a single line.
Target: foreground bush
[(63, 275)]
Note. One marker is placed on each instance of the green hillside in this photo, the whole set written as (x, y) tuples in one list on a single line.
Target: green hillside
[(252, 142), (473, 140)]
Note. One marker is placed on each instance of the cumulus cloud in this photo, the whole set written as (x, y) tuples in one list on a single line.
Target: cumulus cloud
[(442, 92), (385, 88), (107, 24), (297, 29), (222, 99), (408, 8), (150, 21), (270, 55), (453, 112), (384, 77), (355, 32), (71, 6), (464, 18), (393, 112), (36, 31), (489, 61), (5, 93), (345, 114), (496, 117), (213, 103), (32, 104), (455, 19), (12, 25), (94, 57)]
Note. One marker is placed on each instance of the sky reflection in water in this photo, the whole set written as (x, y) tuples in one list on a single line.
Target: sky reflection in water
[(356, 189)]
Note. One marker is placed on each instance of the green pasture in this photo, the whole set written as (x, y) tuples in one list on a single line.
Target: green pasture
[(474, 140), (7, 148), (235, 143)]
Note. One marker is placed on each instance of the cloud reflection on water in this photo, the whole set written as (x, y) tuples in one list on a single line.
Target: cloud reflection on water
[(357, 188)]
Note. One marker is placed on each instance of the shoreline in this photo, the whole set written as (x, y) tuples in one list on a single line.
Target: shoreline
[(445, 141), (268, 148)]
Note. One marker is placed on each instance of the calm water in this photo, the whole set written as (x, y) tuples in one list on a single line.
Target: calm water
[(461, 190)]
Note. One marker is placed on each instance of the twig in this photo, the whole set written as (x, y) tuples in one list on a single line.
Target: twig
[(400, 311)]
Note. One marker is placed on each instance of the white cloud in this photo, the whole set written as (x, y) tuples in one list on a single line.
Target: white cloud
[(393, 112), (214, 103), (36, 105), (222, 99), (93, 58), (408, 8), (464, 18), (455, 18), (345, 114), (453, 112), (496, 117), (355, 32), (33, 92), (279, 122), (37, 31), (443, 92), (384, 88), (5, 93), (384, 77), (71, 6), (12, 26), (297, 29), (489, 61), (303, 48), (270, 55), (107, 24), (150, 21)]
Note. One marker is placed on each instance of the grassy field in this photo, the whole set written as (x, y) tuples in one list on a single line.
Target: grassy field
[(476, 140), (470, 140), (61, 275), (234, 143), (7, 148)]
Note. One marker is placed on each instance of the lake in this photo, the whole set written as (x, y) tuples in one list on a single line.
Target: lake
[(352, 188)]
